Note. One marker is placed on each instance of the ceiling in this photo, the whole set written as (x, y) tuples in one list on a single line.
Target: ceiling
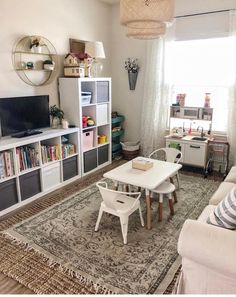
[(110, 1)]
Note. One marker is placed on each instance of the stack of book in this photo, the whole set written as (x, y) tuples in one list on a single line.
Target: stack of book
[(68, 150), (6, 164), (27, 157), (50, 153)]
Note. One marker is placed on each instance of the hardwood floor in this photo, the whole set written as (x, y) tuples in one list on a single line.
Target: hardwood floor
[(10, 286)]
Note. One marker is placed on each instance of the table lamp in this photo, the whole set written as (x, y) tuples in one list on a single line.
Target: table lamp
[(95, 50)]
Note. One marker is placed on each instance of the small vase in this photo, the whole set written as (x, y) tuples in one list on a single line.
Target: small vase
[(54, 123), (132, 79)]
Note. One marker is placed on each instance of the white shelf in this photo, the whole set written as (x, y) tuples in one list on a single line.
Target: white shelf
[(71, 103), (51, 172)]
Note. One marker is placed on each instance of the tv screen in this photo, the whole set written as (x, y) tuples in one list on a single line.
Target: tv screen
[(24, 113)]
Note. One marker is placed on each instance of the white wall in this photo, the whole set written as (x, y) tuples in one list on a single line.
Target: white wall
[(57, 20), (129, 102)]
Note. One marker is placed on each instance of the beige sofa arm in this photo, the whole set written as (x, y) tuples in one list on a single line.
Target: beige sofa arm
[(210, 246)]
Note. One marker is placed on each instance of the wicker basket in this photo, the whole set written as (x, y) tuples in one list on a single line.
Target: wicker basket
[(129, 155)]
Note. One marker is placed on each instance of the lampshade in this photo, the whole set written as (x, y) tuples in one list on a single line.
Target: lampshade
[(146, 33), (95, 49), (148, 11), (144, 15)]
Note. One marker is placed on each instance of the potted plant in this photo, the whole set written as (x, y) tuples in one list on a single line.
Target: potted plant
[(56, 116), (36, 44), (48, 65)]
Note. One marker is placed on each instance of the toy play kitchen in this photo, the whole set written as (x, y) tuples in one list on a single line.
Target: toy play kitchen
[(190, 132)]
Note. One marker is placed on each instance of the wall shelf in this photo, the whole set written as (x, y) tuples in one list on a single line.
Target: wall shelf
[(22, 54)]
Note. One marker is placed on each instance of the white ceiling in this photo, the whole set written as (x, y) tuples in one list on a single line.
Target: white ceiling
[(110, 1)]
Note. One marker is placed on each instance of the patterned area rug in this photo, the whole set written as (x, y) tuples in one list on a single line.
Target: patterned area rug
[(63, 236)]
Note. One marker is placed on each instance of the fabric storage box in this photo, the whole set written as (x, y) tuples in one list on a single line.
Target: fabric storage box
[(90, 160), (87, 139), (103, 154), (102, 114), (30, 184), (86, 98), (70, 168), (102, 91), (51, 176), (8, 195)]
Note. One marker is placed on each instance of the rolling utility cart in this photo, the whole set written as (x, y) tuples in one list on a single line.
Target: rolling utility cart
[(117, 132), (218, 157)]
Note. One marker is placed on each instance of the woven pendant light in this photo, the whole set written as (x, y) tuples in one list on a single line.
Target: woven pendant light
[(144, 15), (146, 33)]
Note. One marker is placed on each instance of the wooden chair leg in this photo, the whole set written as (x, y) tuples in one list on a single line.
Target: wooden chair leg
[(160, 208), (174, 193), (172, 212)]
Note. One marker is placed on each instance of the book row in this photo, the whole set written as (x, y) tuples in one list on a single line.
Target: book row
[(6, 164), (27, 157)]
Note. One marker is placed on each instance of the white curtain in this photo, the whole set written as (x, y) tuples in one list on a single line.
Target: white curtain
[(232, 99), (156, 99)]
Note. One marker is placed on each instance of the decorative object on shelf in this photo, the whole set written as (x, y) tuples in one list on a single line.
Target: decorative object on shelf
[(75, 65), (48, 65), (146, 19), (102, 139), (65, 124), (180, 99), (36, 44), (95, 50), (29, 65), (207, 102), (35, 49), (56, 116), (131, 65), (90, 122)]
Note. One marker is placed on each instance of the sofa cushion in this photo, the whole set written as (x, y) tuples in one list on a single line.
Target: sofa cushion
[(224, 215), (205, 213), (221, 192), (231, 177)]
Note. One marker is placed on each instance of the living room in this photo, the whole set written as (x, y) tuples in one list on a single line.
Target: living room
[(117, 259)]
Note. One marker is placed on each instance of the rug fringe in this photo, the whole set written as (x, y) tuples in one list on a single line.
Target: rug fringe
[(99, 289)]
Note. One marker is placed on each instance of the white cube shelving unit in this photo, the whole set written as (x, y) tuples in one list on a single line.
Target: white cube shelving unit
[(38, 165), (99, 109)]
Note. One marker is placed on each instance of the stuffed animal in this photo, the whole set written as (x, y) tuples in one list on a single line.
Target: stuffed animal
[(90, 122)]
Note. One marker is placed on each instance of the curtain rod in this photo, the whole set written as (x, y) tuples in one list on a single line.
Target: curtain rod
[(201, 13)]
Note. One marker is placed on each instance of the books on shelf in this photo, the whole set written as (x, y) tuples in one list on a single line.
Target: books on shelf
[(68, 149), (50, 153), (27, 157), (6, 164)]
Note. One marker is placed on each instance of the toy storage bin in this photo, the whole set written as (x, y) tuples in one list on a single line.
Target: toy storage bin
[(86, 98), (130, 150), (87, 139)]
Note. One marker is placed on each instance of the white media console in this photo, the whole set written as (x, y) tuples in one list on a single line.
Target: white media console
[(38, 165)]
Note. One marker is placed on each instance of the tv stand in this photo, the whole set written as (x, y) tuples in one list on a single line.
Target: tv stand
[(26, 133)]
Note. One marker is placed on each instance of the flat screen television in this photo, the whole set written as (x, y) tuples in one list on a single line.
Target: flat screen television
[(19, 114)]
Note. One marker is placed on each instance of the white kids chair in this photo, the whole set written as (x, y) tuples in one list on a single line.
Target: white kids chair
[(118, 204), (172, 155)]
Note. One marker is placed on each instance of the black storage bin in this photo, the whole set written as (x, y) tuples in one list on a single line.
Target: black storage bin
[(8, 194), (90, 160), (102, 91), (103, 154), (70, 168), (30, 184)]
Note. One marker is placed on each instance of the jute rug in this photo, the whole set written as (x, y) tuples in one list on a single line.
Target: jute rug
[(57, 250)]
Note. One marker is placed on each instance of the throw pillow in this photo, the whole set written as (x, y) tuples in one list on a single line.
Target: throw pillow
[(224, 215)]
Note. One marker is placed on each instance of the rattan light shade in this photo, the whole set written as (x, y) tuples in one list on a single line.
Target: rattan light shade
[(135, 11), (146, 33)]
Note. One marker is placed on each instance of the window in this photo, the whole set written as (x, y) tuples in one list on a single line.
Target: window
[(204, 66)]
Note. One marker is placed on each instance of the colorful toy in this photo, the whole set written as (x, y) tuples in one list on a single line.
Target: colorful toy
[(84, 121), (90, 121)]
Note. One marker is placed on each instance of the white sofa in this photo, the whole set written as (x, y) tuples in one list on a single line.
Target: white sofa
[(208, 252)]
